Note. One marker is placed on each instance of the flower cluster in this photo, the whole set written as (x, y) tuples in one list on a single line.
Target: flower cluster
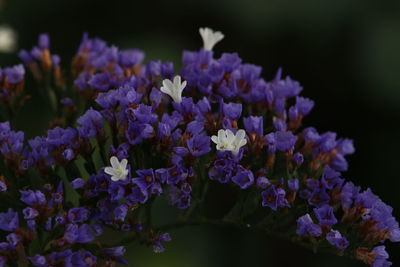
[(127, 133)]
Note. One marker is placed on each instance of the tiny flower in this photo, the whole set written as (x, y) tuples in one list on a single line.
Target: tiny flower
[(76, 215), (210, 38), (38, 260), (3, 186), (335, 238), (263, 182), (118, 170), (30, 213), (228, 141), (78, 183), (325, 215), (305, 225), (9, 220), (244, 179), (174, 89), (8, 39)]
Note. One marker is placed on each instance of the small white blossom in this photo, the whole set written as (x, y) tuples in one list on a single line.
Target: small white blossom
[(8, 39), (228, 141), (173, 89), (210, 38), (118, 170)]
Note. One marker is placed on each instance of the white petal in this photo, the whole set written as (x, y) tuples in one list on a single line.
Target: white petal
[(221, 134), (241, 143), (240, 134), (229, 136), (109, 170), (115, 178), (123, 164), (177, 80), (214, 139), (165, 90), (210, 38), (183, 85), (168, 84), (114, 162)]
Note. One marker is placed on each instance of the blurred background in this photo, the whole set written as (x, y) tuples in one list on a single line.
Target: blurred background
[(345, 53)]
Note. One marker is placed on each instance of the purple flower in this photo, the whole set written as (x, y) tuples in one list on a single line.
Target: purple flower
[(30, 213), (274, 198), (254, 124), (115, 251), (13, 239), (167, 69), (57, 137), (78, 183), (76, 215), (380, 257), (270, 141), (38, 260), (263, 182), (14, 74), (101, 81), (31, 197), (318, 197), (349, 191), (130, 58), (68, 154), (157, 243), (336, 239), (146, 178), (231, 110), (91, 124), (9, 220), (78, 234), (243, 178), (44, 41), (25, 57), (116, 191), (304, 105), (230, 61), (345, 146), (285, 88), (199, 145), (138, 131), (306, 226), (293, 184), (120, 212), (80, 259), (298, 158), (138, 195), (280, 125), (325, 215), (3, 186), (310, 135), (285, 141), (55, 60)]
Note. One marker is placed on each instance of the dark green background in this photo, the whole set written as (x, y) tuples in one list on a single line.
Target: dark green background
[(346, 54)]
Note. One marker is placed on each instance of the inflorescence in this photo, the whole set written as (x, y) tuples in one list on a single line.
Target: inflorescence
[(126, 134)]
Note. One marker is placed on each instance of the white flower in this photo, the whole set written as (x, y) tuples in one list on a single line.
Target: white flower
[(8, 39), (228, 141), (210, 38), (118, 170), (175, 89)]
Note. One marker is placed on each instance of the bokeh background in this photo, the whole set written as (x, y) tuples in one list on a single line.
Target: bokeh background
[(346, 54)]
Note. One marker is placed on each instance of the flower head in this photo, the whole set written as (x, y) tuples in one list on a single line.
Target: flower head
[(228, 141), (174, 89), (210, 38), (118, 170)]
